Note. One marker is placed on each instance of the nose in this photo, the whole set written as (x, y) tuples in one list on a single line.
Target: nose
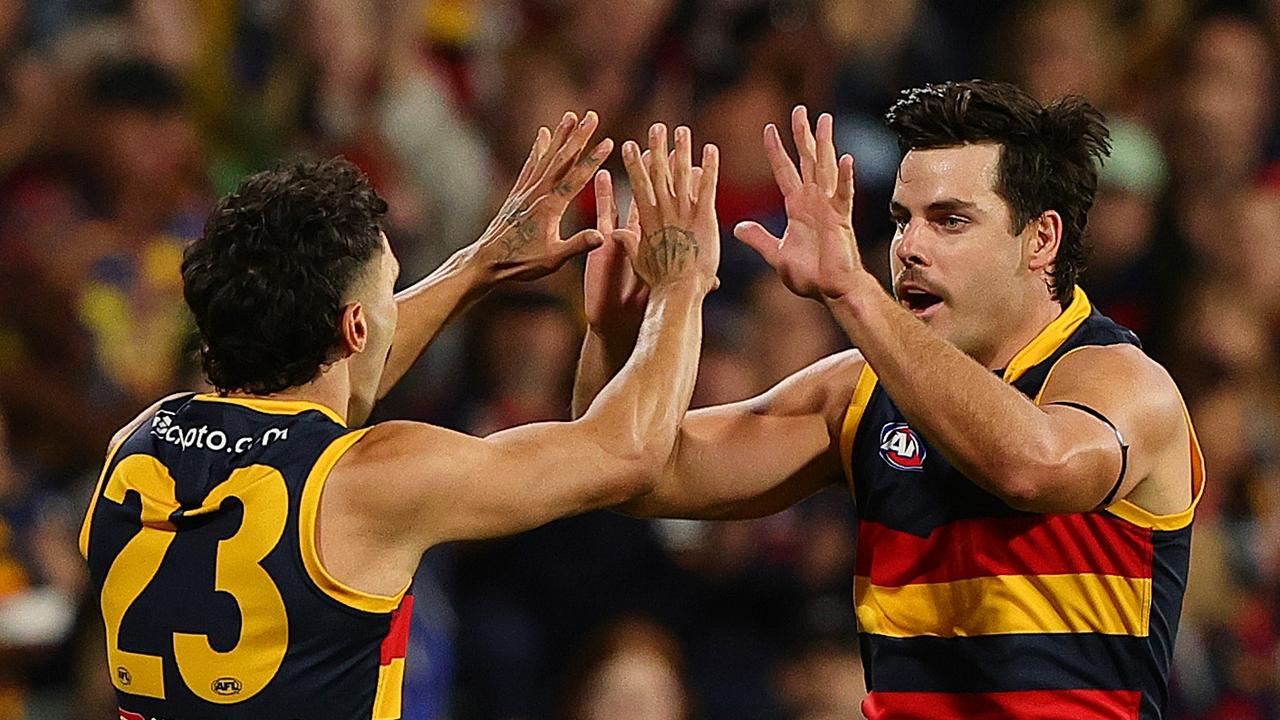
[(909, 244)]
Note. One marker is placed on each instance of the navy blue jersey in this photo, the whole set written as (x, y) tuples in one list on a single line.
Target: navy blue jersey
[(968, 608), (201, 543)]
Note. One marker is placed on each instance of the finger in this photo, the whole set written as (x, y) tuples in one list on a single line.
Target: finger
[(558, 137), (581, 171), (643, 200), (580, 242), (540, 143), (568, 153), (697, 182), (826, 169), (757, 238), (682, 169), (659, 171), (784, 171), (845, 186), (710, 175), (606, 209), (805, 144)]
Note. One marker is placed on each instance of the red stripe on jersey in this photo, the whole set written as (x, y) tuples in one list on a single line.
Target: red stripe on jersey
[(1023, 545), (1039, 704), (396, 643)]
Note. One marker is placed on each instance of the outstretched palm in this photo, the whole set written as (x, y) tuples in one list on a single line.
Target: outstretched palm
[(523, 242), (817, 255)]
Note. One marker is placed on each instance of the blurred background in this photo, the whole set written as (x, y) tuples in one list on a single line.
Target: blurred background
[(122, 122)]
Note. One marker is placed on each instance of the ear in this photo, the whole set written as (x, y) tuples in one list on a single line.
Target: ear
[(1043, 240), (353, 328)]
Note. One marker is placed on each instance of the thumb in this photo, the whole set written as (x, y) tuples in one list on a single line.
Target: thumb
[(629, 240), (757, 238), (584, 241)]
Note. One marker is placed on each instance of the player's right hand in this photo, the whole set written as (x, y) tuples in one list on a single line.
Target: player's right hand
[(679, 238)]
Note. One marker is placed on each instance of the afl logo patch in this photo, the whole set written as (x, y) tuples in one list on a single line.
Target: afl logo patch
[(227, 686), (901, 447)]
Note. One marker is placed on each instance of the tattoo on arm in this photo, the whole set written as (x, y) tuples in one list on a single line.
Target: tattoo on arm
[(668, 252)]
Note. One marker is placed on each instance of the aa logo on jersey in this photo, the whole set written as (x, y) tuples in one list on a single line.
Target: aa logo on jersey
[(901, 447)]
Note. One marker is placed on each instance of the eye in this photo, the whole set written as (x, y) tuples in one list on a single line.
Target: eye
[(900, 223), (954, 222)]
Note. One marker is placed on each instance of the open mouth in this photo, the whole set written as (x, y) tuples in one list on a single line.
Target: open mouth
[(917, 301)]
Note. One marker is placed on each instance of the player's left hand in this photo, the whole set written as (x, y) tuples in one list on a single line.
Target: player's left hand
[(817, 256), (523, 242)]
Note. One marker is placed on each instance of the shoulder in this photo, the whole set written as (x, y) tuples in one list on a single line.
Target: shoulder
[(1123, 379), (399, 458), (124, 432)]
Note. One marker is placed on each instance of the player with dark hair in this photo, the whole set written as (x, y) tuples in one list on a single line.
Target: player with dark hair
[(1025, 477), (251, 550)]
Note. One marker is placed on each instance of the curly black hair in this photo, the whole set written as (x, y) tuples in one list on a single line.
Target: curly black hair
[(268, 278), (1048, 161)]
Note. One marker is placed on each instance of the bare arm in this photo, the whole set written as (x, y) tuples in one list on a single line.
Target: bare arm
[(431, 485), (756, 457), (1041, 458), (523, 242), (451, 486)]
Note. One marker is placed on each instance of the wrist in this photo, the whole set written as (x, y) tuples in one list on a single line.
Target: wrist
[(476, 266), (689, 285), (863, 290)]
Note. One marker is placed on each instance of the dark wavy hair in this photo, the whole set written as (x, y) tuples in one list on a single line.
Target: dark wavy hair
[(1049, 154), (268, 278)]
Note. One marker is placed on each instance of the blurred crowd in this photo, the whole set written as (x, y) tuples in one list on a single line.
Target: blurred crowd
[(122, 121)]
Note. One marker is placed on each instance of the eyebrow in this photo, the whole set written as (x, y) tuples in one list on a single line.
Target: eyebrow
[(948, 205)]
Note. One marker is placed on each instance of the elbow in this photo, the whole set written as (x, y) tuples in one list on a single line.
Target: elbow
[(638, 468), (1027, 483)]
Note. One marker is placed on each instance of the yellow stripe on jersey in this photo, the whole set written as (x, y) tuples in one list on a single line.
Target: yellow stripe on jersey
[(853, 416), (310, 506), (386, 703), (1145, 518), (1050, 338), (93, 502), (274, 406), (1006, 604)]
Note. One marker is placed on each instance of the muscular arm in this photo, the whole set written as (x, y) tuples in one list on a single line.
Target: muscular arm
[(759, 456), (750, 458), (1041, 458), (429, 485)]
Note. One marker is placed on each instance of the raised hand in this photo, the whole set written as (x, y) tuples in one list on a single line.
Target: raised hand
[(679, 237), (523, 242), (817, 256), (615, 295)]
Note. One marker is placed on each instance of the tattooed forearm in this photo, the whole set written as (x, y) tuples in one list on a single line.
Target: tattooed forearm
[(667, 253)]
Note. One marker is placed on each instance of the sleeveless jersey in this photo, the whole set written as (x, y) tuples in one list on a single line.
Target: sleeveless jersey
[(968, 608), (201, 543)]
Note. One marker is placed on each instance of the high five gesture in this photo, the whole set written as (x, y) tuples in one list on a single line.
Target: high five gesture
[(817, 256)]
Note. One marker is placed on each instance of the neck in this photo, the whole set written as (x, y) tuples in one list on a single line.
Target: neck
[(331, 389), (1029, 323)]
